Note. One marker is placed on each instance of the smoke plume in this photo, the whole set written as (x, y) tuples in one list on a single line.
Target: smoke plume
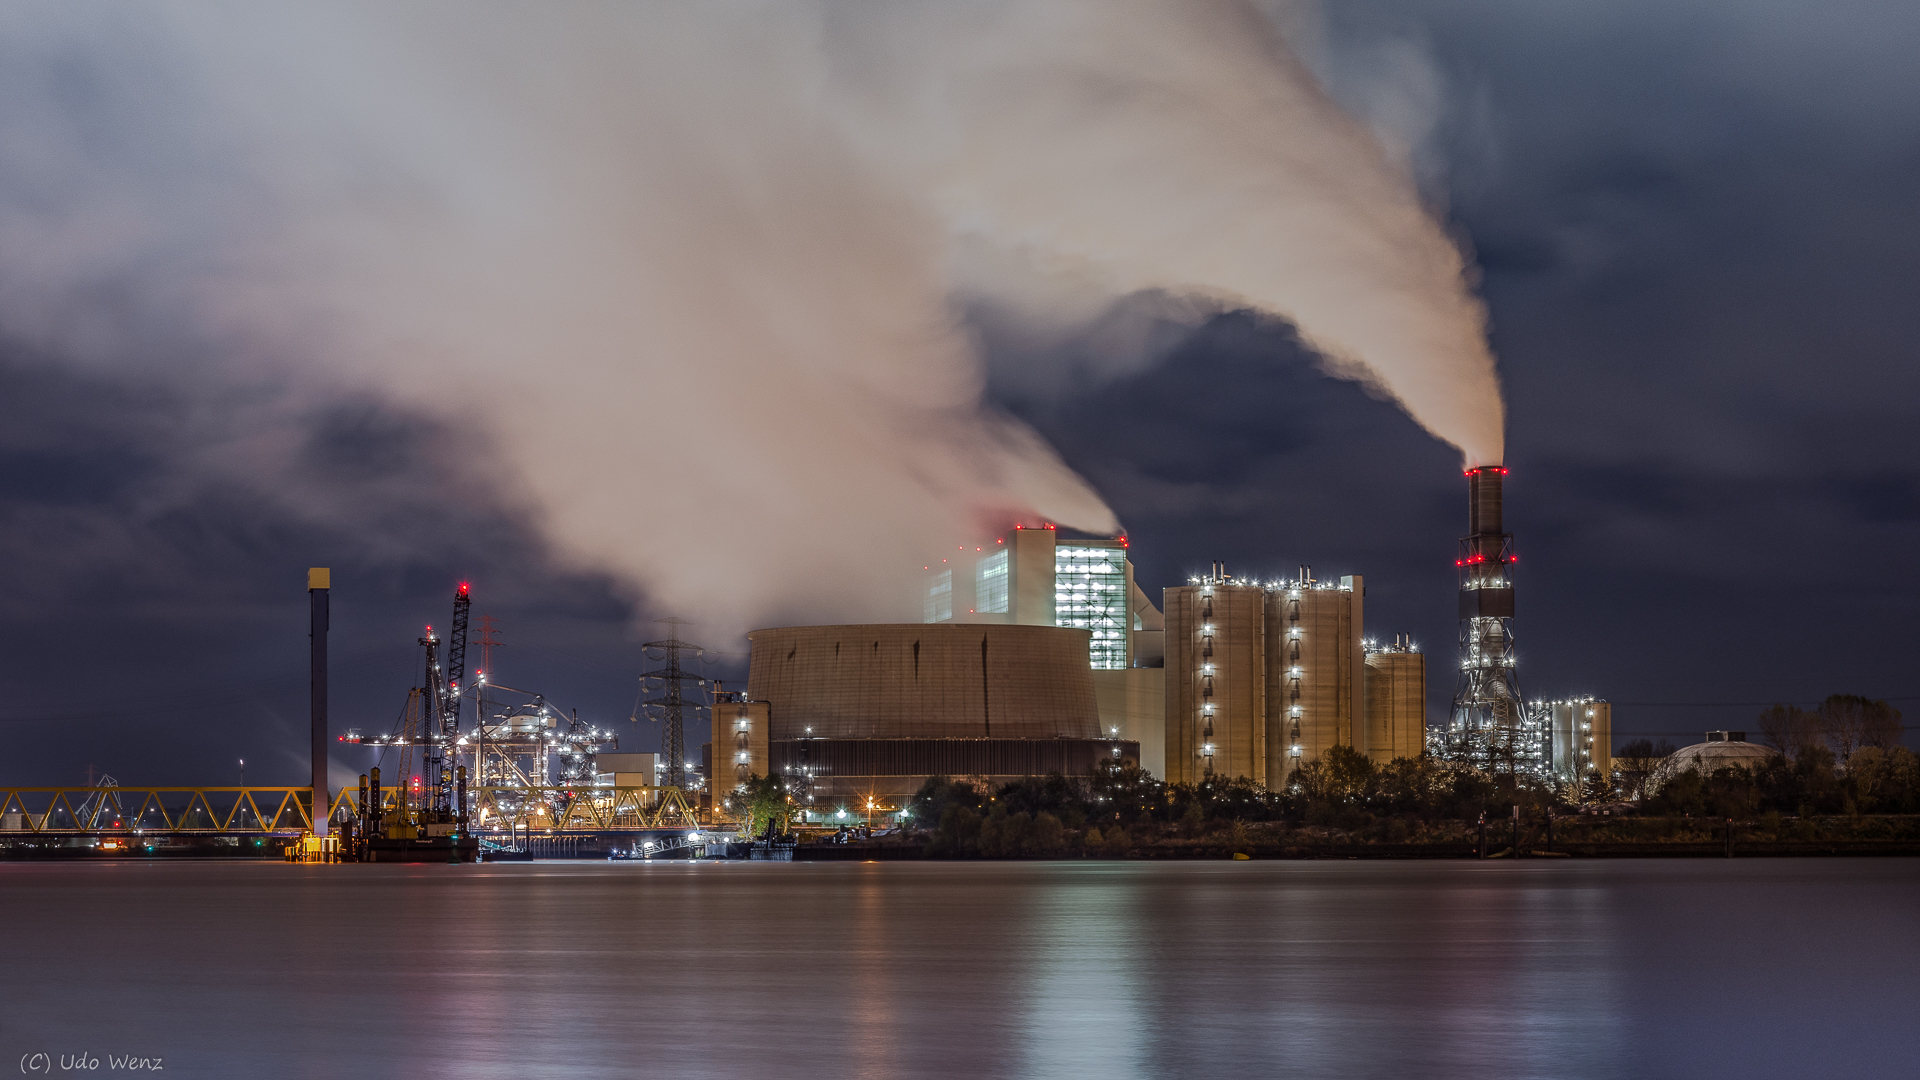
[(694, 272)]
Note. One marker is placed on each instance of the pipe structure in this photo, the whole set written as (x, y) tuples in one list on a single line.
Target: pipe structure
[(319, 587)]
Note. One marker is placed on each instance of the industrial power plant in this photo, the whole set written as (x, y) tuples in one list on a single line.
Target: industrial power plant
[(1038, 653)]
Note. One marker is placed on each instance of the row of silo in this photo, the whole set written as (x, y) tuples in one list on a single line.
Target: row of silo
[(1264, 677)]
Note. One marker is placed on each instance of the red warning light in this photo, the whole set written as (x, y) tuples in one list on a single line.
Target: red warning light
[(463, 588)]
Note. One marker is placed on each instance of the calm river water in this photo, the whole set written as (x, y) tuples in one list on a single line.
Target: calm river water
[(1561, 968)]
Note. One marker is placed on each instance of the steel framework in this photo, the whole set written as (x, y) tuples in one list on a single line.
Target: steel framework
[(600, 809)]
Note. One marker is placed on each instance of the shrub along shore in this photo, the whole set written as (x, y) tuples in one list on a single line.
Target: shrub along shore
[(1347, 807)]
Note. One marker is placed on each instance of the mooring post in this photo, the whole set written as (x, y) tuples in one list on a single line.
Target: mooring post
[(1483, 834), (318, 588), (1516, 830)]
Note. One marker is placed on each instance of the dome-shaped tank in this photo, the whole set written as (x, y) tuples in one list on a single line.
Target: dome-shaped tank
[(1708, 757)]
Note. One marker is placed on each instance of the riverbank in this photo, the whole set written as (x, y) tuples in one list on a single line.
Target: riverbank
[(1612, 837)]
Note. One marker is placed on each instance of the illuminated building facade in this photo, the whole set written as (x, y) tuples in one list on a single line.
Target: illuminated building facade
[(1046, 576)]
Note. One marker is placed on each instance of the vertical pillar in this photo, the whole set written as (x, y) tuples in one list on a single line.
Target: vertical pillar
[(319, 586)]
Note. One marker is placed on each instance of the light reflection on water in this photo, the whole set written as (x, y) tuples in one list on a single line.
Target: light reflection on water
[(1749, 968)]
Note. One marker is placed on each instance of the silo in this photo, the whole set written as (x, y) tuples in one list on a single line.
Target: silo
[(1582, 734), (1314, 684), (1216, 679), (1396, 677)]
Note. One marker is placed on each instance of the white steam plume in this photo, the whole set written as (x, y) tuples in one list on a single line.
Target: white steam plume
[(693, 268)]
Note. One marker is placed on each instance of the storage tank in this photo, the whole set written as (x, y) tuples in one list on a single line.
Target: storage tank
[(1396, 678), (1216, 679), (1314, 661), (1582, 734)]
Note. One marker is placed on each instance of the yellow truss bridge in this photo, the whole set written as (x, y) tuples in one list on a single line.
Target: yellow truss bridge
[(285, 811), (258, 811)]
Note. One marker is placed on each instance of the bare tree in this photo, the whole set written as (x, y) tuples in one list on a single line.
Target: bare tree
[(1850, 722), (1789, 729), (1883, 728), (1636, 761)]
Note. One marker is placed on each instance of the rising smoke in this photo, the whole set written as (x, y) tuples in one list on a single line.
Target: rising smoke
[(694, 271)]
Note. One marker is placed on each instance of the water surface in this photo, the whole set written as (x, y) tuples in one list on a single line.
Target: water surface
[(1561, 968)]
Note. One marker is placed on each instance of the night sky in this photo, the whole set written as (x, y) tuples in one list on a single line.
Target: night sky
[(1698, 234)]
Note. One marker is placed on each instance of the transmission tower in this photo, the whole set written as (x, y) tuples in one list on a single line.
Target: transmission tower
[(489, 640), (670, 705)]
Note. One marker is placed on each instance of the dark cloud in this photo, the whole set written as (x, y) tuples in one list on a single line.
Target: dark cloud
[(155, 615), (1697, 236), (1698, 241)]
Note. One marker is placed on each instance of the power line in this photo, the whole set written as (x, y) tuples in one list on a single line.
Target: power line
[(1731, 704), (181, 700)]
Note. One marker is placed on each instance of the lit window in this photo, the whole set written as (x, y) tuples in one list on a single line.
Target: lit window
[(939, 606)]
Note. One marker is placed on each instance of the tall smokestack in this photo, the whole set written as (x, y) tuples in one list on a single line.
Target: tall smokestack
[(1489, 714), (1483, 500), (319, 587)]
